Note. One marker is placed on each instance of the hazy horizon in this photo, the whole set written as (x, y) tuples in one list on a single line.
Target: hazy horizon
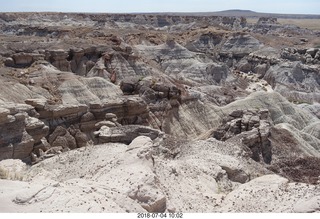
[(164, 6)]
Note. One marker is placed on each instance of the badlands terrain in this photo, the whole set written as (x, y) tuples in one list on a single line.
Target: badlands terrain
[(158, 113)]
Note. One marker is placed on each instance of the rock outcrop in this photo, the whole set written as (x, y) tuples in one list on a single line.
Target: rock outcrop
[(22, 59), (20, 131), (254, 130), (158, 113), (149, 183), (240, 45), (295, 81)]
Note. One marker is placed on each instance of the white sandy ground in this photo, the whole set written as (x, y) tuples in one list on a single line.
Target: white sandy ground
[(121, 178)]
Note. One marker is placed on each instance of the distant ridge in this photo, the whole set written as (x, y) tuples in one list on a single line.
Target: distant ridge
[(236, 12), (226, 13), (248, 13), (244, 13)]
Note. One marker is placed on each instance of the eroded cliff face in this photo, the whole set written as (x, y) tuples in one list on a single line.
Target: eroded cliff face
[(204, 103)]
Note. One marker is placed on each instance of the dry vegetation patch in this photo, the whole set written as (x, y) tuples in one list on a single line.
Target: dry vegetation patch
[(299, 169), (5, 174), (311, 24)]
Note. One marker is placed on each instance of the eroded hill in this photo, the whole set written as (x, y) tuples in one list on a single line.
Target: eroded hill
[(158, 113)]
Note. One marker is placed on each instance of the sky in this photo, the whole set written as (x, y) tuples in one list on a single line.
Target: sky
[(130, 6)]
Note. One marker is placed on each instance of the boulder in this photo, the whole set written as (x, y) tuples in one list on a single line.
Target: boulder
[(148, 94), (59, 131), (87, 122), (125, 134), (38, 104), (34, 158), (87, 117), (73, 130), (36, 128), (72, 144), (4, 113), (311, 205), (60, 141), (81, 139), (9, 62), (104, 123), (235, 174), (141, 146), (147, 193), (23, 149), (150, 198), (236, 113), (62, 138), (129, 85), (110, 116), (43, 146), (312, 51)]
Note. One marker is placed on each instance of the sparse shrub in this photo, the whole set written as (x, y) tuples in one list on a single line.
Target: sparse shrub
[(4, 174)]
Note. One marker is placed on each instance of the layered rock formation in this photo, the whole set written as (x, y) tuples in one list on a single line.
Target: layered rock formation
[(254, 129), (157, 113), (20, 130)]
